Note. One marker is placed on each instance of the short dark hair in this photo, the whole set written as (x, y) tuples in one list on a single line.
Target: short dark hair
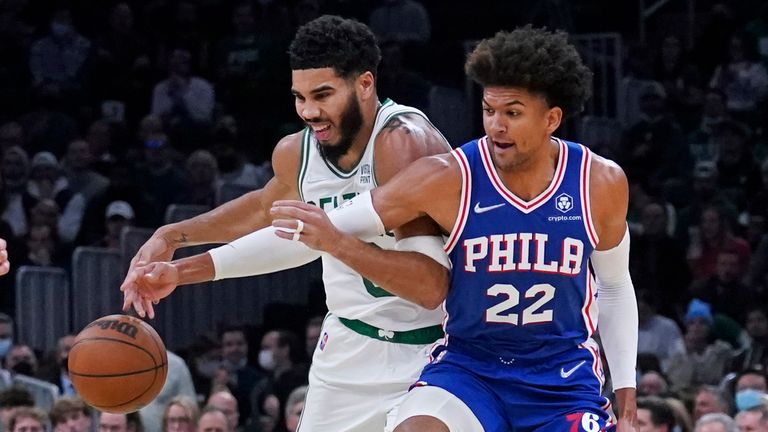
[(537, 60), (661, 412), (13, 397), (346, 45)]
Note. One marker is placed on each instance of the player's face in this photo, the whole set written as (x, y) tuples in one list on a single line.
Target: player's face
[(519, 125), (329, 105)]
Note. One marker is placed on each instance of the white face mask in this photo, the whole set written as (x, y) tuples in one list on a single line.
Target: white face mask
[(266, 359)]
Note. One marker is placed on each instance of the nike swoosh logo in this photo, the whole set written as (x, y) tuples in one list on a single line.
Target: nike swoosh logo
[(479, 209), (564, 374)]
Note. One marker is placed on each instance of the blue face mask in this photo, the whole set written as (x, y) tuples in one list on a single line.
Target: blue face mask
[(5, 346), (749, 398)]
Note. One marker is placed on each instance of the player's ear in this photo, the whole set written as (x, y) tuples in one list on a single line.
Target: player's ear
[(554, 116), (366, 85)]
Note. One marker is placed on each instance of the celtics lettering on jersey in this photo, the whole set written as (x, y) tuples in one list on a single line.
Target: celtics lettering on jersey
[(327, 186), (330, 203)]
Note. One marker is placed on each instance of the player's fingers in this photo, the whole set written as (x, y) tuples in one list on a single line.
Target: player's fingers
[(3, 255), (5, 267), (127, 301), (150, 310), (284, 212), (129, 281), (138, 306), (284, 234), (293, 203), (3, 244)]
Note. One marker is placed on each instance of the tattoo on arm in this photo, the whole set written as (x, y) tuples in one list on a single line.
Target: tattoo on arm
[(395, 124), (182, 239)]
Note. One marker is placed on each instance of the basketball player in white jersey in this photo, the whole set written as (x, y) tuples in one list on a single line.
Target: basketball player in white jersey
[(373, 344)]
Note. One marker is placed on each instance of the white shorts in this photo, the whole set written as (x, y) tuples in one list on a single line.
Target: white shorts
[(356, 383)]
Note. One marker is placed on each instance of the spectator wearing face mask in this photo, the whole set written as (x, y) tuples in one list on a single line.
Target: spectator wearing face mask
[(750, 390), (56, 370), (235, 373), (281, 356)]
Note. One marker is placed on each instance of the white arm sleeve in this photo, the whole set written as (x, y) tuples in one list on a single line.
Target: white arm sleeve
[(264, 252), (617, 319), (258, 253)]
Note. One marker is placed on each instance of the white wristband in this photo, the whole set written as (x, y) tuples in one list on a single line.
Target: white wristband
[(357, 217)]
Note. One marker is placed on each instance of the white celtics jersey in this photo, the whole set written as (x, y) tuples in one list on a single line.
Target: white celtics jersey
[(348, 294)]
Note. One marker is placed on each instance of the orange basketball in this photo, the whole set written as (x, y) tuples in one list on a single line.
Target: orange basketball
[(118, 364)]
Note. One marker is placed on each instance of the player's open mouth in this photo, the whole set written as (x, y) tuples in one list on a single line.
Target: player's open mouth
[(503, 145), (322, 133)]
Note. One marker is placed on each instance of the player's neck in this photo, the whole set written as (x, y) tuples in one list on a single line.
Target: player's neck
[(360, 142)]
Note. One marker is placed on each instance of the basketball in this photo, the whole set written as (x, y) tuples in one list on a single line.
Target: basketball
[(118, 364)]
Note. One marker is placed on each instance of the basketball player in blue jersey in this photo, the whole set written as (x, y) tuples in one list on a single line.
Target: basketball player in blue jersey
[(538, 244), (352, 142)]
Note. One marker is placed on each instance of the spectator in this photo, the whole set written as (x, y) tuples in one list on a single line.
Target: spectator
[(71, 414), (56, 371), (658, 263), (178, 383), (713, 236), (237, 375), (82, 178), (654, 147), (226, 403), (753, 420), (11, 399), (21, 360), (281, 357), (99, 138), (293, 407), (401, 21), (46, 181), (111, 422), (682, 414), (180, 415), (161, 178), (213, 420), (119, 214), (756, 355), (60, 57), (705, 360), (724, 288), (397, 82), (750, 390), (708, 400), (654, 415), (657, 335), (6, 334), (652, 384), (312, 334), (701, 140), (203, 174), (739, 176), (28, 419), (234, 168), (742, 78), (15, 173), (182, 97), (715, 423)]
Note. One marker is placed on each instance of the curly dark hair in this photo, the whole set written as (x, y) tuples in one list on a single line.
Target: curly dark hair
[(346, 45), (538, 60)]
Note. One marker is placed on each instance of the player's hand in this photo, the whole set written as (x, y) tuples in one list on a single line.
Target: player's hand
[(5, 265), (156, 249), (150, 284), (317, 232)]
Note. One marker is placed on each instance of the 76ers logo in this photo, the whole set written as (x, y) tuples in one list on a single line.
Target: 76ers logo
[(564, 202)]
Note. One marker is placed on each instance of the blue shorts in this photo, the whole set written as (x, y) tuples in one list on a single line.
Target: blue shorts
[(552, 395)]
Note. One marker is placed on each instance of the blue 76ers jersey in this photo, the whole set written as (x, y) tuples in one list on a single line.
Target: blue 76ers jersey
[(521, 286)]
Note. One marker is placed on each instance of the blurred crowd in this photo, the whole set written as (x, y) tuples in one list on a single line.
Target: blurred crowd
[(112, 111)]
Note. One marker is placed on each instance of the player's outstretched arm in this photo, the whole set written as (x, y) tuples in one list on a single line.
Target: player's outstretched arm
[(220, 225), (617, 319), (418, 270)]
